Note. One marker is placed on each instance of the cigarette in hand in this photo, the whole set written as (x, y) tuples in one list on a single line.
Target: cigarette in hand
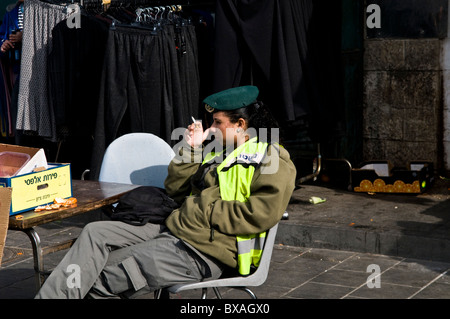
[(196, 125)]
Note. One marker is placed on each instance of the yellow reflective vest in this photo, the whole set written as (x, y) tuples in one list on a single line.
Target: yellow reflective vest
[(235, 175)]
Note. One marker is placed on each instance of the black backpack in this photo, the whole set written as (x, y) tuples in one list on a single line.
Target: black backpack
[(142, 205)]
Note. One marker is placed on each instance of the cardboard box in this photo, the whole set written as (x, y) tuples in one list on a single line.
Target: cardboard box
[(31, 189), (40, 188), (381, 177), (5, 203)]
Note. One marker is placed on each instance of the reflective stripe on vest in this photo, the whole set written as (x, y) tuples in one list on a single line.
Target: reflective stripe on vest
[(235, 175), (249, 251)]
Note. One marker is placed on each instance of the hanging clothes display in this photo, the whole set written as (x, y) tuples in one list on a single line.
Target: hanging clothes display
[(150, 80), (75, 64), (130, 67), (34, 115), (290, 49)]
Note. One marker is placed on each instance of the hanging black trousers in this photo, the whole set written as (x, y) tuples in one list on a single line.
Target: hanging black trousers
[(75, 64), (149, 84), (129, 99)]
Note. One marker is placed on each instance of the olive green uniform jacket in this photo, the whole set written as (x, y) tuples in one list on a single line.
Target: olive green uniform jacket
[(211, 224)]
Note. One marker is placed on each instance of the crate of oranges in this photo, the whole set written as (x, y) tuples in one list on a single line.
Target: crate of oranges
[(381, 177)]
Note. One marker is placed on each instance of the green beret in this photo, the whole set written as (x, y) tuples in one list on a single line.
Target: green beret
[(231, 99)]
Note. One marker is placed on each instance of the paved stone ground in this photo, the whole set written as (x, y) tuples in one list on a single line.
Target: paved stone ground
[(299, 273), (296, 273), (323, 251)]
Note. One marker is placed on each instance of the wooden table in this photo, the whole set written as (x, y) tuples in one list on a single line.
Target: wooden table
[(90, 195)]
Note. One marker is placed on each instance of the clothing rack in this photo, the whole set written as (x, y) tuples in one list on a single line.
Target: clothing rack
[(103, 5), (155, 13), (146, 11), (135, 3), (144, 3), (54, 119)]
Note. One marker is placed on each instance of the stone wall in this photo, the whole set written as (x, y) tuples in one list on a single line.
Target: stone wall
[(402, 108), (445, 63)]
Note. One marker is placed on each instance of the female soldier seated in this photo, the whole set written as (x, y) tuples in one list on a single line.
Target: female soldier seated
[(235, 193)]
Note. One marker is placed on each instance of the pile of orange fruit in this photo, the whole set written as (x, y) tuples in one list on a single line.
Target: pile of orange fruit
[(58, 203), (379, 186)]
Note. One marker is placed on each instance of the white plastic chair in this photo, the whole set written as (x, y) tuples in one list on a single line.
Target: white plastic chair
[(239, 282), (136, 158)]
